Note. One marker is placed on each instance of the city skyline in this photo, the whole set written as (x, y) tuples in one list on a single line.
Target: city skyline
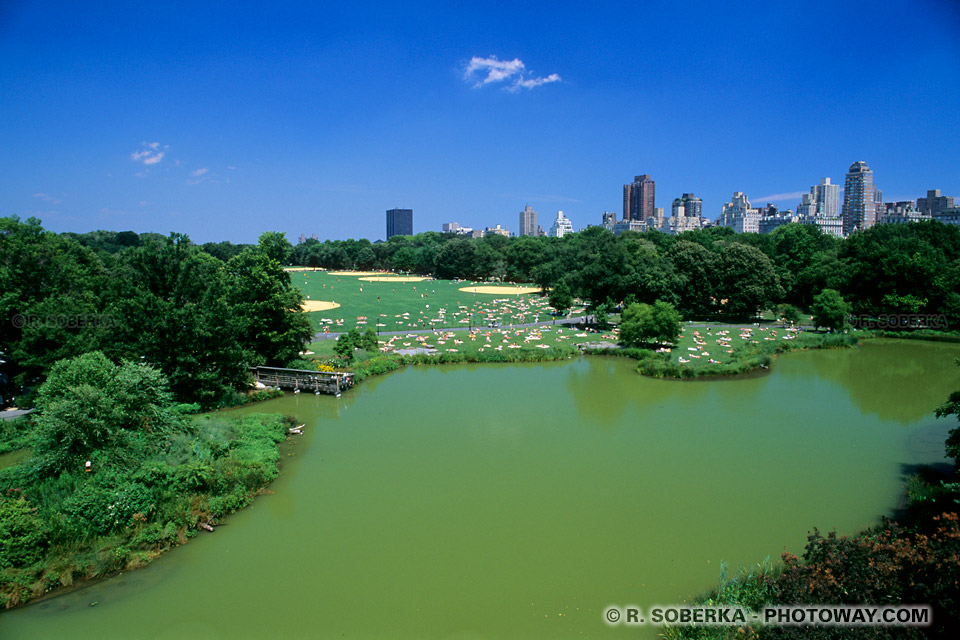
[(316, 120)]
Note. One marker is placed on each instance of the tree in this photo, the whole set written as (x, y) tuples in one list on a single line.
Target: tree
[(746, 280), (642, 323), (952, 408), (89, 405), (830, 310), (789, 313), (694, 265), (178, 308), (369, 341), (275, 245), (51, 298), (348, 342), (457, 259), (561, 298), (273, 326)]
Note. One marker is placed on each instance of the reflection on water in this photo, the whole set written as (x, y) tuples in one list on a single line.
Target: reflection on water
[(521, 500), (900, 380)]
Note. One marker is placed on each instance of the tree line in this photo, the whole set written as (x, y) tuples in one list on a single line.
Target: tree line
[(200, 315), (714, 272)]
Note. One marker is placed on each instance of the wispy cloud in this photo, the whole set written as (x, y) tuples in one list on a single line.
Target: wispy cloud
[(512, 73), (199, 175), (151, 153), (47, 198), (779, 197)]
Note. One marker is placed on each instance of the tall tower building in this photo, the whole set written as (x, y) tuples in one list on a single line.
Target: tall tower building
[(639, 199), (827, 198), (528, 222), (399, 222), (859, 199), (561, 226)]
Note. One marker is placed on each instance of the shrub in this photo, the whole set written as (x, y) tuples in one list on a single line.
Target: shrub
[(22, 534)]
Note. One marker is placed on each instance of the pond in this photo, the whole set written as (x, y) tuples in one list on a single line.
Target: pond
[(522, 500)]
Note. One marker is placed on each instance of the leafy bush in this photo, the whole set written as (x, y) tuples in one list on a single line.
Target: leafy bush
[(98, 510), (22, 534)]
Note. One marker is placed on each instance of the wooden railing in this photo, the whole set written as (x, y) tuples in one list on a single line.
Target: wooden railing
[(303, 379)]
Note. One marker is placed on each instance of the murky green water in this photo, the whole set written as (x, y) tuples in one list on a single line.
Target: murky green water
[(520, 501)]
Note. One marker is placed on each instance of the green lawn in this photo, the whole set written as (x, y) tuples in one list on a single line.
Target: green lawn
[(440, 305), (400, 306), (725, 343)]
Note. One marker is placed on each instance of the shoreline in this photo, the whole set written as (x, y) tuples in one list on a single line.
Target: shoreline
[(393, 362)]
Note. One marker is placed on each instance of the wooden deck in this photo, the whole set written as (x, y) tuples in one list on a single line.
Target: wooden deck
[(303, 379)]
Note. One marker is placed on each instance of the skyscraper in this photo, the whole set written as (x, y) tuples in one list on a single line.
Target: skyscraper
[(827, 198), (561, 226), (399, 222), (859, 199), (639, 199), (821, 207), (528, 222)]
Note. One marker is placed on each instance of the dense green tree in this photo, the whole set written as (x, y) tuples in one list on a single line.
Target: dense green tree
[(560, 298), (456, 259), (902, 268), (224, 251), (830, 310), (275, 245), (694, 265), (273, 329), (523, 254), (345, 346), (369, 342), (51, 297), (789, 313), (88, 404), (174, 307), (746, 280), (642, 323)]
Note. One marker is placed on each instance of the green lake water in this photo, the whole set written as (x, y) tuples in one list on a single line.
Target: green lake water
[(522, 500)]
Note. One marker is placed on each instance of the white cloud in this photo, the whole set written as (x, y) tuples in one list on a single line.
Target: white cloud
[(779, 197), (150, 154), (47, 198), (530, 83), (484, 71), (200, 175)]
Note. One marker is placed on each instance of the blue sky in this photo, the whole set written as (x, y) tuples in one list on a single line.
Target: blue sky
[(225, 120)]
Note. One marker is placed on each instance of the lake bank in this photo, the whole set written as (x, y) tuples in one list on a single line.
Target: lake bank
[(514, 503)]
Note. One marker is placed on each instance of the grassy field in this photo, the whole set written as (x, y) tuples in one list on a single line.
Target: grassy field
[(399, 305), (396, 305), (723, 344)]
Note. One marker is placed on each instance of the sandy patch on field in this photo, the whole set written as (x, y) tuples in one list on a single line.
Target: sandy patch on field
[(356, 273), (394, 279), (318, 305), (501, 289)]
